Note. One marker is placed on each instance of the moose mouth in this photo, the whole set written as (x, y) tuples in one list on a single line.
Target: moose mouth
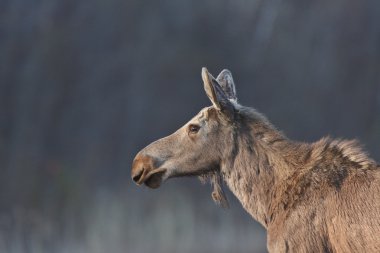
[(154, 179)]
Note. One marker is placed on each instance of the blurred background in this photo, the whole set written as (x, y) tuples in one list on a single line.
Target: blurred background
[(84, 85)]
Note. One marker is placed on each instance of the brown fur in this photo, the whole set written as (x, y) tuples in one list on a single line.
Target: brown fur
[(318, 197)]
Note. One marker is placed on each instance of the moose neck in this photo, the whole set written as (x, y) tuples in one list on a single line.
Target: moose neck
[(259, 160)]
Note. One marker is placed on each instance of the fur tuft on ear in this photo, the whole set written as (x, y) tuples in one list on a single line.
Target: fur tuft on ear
[(226, 81), (216, 94), (209, 88)]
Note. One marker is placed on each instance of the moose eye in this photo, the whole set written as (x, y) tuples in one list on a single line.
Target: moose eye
[(193, 129)]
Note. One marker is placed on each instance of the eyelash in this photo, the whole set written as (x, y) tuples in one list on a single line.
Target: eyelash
[(193, 129)]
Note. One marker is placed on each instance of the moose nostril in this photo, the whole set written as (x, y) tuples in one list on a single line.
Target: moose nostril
[(137, 177)]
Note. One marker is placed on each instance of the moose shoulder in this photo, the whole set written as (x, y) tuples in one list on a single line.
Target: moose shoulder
[(317, 197)]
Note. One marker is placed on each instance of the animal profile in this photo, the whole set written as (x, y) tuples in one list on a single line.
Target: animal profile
[(310, 197)]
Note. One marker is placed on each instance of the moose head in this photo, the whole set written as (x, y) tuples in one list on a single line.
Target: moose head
[(198, 147)]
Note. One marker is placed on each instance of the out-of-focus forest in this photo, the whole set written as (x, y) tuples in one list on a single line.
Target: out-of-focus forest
[(84, 85)]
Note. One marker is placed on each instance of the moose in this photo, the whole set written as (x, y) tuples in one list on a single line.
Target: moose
[(310, 197)]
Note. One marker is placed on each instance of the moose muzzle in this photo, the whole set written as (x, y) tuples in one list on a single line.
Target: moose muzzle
[(144, 171)]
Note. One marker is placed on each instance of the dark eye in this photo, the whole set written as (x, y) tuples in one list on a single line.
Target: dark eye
[(193, 129)]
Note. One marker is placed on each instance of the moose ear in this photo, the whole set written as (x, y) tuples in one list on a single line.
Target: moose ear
[(216, 94), (226, 81)]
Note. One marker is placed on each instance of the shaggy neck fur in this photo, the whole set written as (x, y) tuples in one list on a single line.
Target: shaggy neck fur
[(269, 173)]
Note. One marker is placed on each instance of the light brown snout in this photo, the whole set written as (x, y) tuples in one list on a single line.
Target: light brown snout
[(145, 171)]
